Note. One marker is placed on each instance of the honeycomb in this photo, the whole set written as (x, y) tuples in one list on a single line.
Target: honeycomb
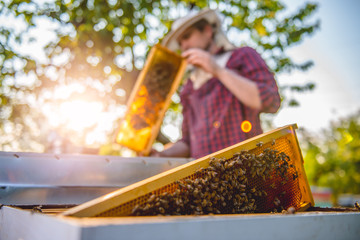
[(150, 99), (272, 189)]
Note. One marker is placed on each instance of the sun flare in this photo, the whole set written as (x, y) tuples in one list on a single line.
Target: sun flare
[(80, 114)]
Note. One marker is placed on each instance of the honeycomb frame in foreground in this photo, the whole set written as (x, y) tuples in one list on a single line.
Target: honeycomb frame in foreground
[(122, 201)]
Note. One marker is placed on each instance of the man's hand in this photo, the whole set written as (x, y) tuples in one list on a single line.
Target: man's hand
[(178, 149), (243, 89), (154, 153), (202, 59)]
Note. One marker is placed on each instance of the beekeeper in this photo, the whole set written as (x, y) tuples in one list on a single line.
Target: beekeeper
[(227, 89)]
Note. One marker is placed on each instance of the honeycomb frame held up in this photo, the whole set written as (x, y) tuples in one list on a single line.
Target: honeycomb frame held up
[(150, 98), (122, 201)]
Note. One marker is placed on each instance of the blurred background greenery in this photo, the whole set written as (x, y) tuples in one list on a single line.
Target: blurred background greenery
[(68, 67)]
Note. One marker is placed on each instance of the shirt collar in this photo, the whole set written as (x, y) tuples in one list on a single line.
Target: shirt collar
[(220, 51)]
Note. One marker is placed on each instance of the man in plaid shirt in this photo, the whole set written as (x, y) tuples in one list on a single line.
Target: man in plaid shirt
[(228, 88)]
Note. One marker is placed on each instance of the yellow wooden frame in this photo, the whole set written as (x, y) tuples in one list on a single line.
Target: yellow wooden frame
[(156, 53), (132, 192)]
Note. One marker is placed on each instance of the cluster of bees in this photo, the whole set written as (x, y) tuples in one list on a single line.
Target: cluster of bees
[(245, 183), (157, 82)]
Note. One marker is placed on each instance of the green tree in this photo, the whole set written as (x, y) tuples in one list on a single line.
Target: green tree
[(332, 159), (99, 45)]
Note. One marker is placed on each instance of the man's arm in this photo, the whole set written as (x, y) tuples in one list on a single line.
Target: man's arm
[(181, 148), (242, 88), (178, 149)]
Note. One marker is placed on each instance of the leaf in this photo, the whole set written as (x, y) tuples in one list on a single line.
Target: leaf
[(293, 103), (259, 27)]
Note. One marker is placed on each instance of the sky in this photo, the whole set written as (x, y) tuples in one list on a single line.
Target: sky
[(335, 51)]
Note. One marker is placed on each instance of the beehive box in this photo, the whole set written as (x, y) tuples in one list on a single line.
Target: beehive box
[(150, 99), (294, 192)]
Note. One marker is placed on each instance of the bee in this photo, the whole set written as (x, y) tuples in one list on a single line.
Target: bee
[(199, 209), (136, 209), (196, 192), (259, 144), (357, 206), (291, 210), (295, 175), (204, 203), (37, 209), (274, 210), (276, 201), (200, 170), (151, 198), (273, 142), (214, 185), (179, 202), (188, 181), (231, 164), (161, 210)]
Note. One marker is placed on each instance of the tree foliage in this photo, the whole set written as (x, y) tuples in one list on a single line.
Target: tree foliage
[(332, 159), (99, 45)]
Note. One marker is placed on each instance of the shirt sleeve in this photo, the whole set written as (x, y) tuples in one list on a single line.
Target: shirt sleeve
[(250, 64)]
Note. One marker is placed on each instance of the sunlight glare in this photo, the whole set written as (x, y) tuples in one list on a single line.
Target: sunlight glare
[(80, 114)]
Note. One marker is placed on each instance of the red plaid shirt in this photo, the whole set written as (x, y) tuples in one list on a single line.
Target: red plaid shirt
[(212, 115)]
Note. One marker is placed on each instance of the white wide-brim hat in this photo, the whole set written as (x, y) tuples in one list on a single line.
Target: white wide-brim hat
[(182, 24)]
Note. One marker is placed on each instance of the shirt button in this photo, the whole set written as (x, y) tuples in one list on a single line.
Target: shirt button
[(216, 124)]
